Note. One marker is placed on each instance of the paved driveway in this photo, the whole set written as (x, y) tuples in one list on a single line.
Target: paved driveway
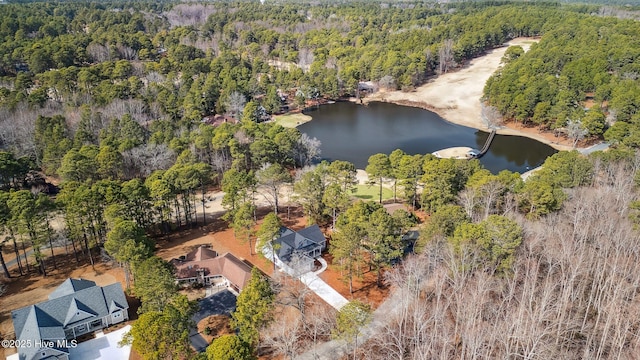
[(312, 281), (102, 347), (597, 147), (222, 303), (324, 290)]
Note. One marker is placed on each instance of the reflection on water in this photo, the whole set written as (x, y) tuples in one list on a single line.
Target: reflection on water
[(353, 133)]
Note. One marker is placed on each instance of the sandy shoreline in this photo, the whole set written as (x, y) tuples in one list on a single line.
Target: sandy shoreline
[(456, 96)]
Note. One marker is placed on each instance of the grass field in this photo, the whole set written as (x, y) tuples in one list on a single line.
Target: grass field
[(366, 192), (292, 120)]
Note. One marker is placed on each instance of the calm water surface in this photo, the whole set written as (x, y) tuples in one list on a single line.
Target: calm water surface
[(354, 132)]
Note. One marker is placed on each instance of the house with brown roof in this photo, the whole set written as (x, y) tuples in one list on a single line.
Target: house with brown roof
[(217, 120), (204, 266)]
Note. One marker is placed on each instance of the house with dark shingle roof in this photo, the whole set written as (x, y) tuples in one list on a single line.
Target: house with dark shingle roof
[(299, 249), (204, 266), (74, 308)]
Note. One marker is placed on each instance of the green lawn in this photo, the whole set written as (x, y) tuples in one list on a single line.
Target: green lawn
[(292, 120), (366, 192)]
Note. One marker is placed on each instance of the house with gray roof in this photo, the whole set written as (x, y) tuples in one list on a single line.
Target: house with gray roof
[(299, 249), (74, 308)]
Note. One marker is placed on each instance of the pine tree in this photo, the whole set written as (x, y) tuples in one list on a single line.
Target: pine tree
[(253, 308), (230, 347)]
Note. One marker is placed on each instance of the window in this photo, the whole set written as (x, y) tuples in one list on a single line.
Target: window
[(96, 324)]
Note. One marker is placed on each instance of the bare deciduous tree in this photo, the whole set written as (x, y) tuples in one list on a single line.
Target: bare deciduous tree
[(332, 63), (127, 52), (295, 331), (155, 77), (572, 293), (470, 202), (319, 322), (291, 292), (491, 116), (141, 161), (445, 57), (576, 131), (284, 337), (305, 58), (189, 14), (387, 82), (98, 52), (307, 150), (118, 108), (235, 104), (18, 127)]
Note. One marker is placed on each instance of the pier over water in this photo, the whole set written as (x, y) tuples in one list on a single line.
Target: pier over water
[(464, 152)]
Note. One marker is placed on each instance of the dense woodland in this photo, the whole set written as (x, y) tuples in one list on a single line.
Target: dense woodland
[(583, 70), (107, 100)]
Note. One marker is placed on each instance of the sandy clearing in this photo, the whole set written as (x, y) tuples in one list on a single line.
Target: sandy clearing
[(456, 96)]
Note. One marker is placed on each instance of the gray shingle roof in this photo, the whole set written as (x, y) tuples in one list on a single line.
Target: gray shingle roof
[(298, 241), (71, 302), (314, 234), (70, 286)]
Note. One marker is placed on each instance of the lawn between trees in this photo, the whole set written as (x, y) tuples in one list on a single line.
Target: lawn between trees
[(291, 120), (371, 193)]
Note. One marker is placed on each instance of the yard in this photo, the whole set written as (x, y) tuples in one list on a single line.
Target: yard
[(292, 120), (372, 192), (33, 288)]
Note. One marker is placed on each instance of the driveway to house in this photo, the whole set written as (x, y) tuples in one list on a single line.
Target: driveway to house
[(104, 346), (222, 303), (322, 289), (311, 280), (337, 349)]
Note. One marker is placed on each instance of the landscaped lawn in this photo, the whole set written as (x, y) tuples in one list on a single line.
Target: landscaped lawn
[(366, 192), (292, 120)]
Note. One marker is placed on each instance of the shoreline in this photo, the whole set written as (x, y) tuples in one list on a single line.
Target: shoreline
[(456, 96), (510, 129)]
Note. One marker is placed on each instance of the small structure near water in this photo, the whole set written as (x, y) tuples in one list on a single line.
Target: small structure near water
[(460, 152), (464, 152)]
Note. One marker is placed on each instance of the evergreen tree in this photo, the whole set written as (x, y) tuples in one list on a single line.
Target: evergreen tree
[(164, 334), (230, 347), (269, 231), (155, 284), (253, 308), (129, 245), (350, 320), (379, 168)]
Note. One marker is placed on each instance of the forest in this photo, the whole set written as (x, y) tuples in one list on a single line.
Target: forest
[(104, 112), (578, 72)]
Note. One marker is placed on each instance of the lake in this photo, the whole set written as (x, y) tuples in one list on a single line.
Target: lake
[(354, 132)]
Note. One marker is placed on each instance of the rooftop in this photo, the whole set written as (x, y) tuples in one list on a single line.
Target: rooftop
[(207, 261)]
